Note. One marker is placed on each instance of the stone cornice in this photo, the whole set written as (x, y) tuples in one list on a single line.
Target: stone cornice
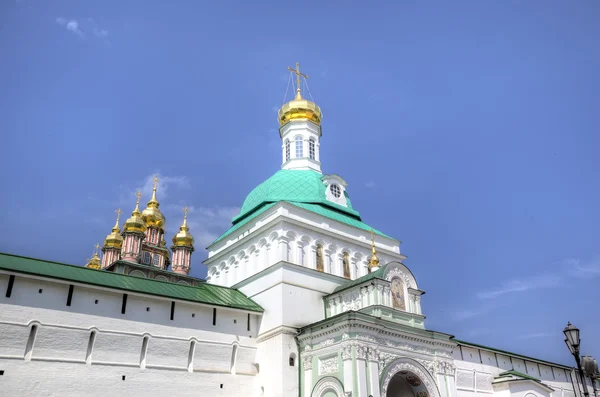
[(344, 326), (276, 331)]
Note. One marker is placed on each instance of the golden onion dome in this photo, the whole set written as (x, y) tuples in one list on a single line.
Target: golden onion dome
[(136, 222), (151, 214), (299, 108), (183, 238), (114, 239), (94, 262)]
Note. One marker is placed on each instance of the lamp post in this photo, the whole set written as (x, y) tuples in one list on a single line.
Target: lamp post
[(590, 367), (573, 343)]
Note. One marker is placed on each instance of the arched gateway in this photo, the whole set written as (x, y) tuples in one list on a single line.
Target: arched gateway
[(405, 377)]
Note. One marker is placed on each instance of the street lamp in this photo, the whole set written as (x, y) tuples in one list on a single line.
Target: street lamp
[(590, 366), (573, 341)]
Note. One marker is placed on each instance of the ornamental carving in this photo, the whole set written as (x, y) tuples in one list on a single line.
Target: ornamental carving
[(307, 362), (361, 352), (446, 368), (395, 272), (347, 352), (328, 365), (424, 377), (373, 354), (326, 342), (326, 384)]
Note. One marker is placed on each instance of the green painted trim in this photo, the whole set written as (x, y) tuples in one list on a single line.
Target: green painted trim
[(519, 374), (516, 355), (204, 293)]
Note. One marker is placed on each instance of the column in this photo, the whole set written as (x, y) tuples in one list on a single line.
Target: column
[(312, 260), (347, 367), (361, 371), (373, 372), (329, 268), (308, 365), (284, 249), (364, 296), (300, 260), (386, 296)]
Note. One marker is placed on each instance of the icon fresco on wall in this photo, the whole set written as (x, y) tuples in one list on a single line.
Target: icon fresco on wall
[(413, 380), (398, 294)]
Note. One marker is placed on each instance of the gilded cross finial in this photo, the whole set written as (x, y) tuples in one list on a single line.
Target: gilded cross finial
[(298, 81), (119, 212), (185, 212), (138, 194), (96, 248), (155, 181)]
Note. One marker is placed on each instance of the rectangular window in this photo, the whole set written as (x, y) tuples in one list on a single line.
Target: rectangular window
[(287, 150), (155, 260), (311, 149), (146, 258)]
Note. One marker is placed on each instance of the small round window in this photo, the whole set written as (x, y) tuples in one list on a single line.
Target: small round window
[(335, 190)]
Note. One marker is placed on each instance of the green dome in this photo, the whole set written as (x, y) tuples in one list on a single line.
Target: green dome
[(300, 186)]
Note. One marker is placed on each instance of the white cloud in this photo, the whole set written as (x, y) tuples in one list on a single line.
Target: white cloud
[(521, 285), (83, 28), (71, 25), (582, 270), (370, 184), (206, 224)]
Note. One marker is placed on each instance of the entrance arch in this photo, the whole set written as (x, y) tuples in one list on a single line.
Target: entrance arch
[(328, 387), (406, 377)]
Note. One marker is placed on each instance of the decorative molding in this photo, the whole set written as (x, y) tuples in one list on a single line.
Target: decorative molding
[(328, 365), (361, 352), (326, 342), (407, 364), (326, 384), (395, 272), (373, 354), (446, 368), (307, 362), (347, 352)]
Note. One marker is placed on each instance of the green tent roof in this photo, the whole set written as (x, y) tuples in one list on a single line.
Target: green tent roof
[(302, 188), (203, 293)]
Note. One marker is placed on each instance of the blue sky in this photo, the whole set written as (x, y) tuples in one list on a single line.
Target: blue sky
[(468, 130)]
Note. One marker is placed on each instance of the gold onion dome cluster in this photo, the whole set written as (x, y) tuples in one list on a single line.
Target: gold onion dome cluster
[(151, 214), (300, 109), (184, 238)]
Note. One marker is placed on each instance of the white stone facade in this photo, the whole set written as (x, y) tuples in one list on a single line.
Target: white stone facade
[(288, 233), (90, 348)]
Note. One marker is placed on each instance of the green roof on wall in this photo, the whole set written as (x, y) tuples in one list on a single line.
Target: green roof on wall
[(205, 293)]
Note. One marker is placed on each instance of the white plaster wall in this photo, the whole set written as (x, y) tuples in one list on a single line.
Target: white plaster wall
[(63, 361), (477, 368), (38, 378)]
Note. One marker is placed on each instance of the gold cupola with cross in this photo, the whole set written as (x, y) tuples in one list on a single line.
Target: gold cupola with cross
[(94, 262), (299, 108), (183, 247), (151, 214)]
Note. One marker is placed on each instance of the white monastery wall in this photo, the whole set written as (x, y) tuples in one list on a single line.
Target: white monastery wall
[(90, 345), (477, 368)]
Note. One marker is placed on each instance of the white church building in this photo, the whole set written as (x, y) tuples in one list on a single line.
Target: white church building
[(301, 299)]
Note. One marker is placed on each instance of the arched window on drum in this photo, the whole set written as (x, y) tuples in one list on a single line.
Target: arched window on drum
[(398, 296)]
